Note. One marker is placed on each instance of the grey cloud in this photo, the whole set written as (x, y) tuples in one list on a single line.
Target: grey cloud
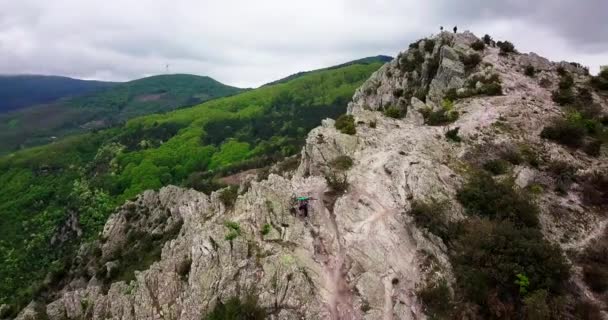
[(249, 43)]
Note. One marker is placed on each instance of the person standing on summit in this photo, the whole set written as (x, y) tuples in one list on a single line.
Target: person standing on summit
[(455, 29)]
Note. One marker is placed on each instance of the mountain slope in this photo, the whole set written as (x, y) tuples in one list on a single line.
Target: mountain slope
[(454, 204), (21, 91), (368, 60), (63, 192), (44, 123)]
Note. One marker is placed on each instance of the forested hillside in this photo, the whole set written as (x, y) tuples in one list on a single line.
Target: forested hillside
[(20, 91), (44, 123), (54, 197)]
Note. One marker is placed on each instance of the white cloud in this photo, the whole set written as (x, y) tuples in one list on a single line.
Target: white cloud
[(248, 43)]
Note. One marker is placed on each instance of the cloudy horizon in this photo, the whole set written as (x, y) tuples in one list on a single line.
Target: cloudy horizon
[(247, 44)]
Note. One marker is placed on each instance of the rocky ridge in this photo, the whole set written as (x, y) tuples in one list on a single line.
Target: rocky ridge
[(360, 255)]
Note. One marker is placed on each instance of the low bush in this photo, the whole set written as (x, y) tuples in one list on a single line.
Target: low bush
[(237, 309), (229, 195), (564, 132), (452, 135), (373, 124), (394, 112), (595, 190), (346, 124), (451, 95), (478, 45), (600, 82), (470, 61), (266, 228), (443, 116), (429, 45), (564, 175), (529, 71), (234, 230), (490, 255), (431, 216), (506, 47), (483, 196), (491, 89), (496, 166), (337, 183), (437, 300), (487, 39), (342, 163)]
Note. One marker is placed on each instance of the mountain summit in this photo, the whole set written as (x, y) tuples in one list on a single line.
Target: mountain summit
[(467, 180)]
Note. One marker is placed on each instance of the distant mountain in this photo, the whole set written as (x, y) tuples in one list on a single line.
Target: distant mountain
[(43, 123), (368, 60), (20, 91)]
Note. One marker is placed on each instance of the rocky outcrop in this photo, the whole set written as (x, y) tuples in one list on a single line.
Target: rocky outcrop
[(359, 255)]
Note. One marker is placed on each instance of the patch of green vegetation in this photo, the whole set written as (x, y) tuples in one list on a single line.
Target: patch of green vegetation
[(437, 299), (600, 82), (395, 112), (479, 45), (234, 230), (266, 228), (336, 182), (228, 196), (483, 196), (440, 117), (237, 309), (529, 71), (192, 146), (506, 47), (431, 216), (346, 124), (470, 61), (111, 106), (342, 163), (496, 166), (452, 135)]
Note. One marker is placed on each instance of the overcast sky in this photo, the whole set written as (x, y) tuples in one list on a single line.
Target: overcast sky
[(250, 42)]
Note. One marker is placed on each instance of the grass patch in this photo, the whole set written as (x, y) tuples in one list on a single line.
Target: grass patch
[(342, 163), (346, 124)]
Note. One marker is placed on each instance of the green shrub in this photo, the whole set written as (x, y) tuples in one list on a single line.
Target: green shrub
[(478, 45), (235, 309), (346, 124), (442, 116), (229, 195), (506, 47), (536, 305), (563, 96), (491, 89), (398, 92), (487, 39), (496, 166), (529, 71), (234, 230), (429, 45), (373, 124), (342, 163), (483, 196), (394, 112), (595, 190), (452, 135), (564, 132), (600, 82), (432, 216), (266, 228), (337, 183), (566, 82), (470, 61), (437, 300), (451, 94), (490, 254)]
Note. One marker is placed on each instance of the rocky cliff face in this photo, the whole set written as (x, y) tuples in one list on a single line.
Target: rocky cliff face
[(360, 254)]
